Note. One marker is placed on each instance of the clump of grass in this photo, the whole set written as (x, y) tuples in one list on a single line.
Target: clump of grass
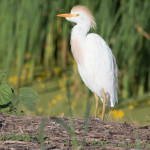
[(41, 134), (23, 137)]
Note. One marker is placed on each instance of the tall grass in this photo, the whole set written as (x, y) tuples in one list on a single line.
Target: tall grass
[(30, 33)]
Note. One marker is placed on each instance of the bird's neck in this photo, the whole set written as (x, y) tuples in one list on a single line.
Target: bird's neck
[(80, 30), (78, 37)]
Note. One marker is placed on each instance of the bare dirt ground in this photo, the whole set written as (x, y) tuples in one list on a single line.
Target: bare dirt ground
[(22, 132)]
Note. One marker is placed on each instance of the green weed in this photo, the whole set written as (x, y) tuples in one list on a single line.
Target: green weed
[(13, 102), (23, 137), (42, 135)]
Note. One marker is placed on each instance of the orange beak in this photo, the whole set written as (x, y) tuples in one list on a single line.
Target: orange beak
[(67, 15)]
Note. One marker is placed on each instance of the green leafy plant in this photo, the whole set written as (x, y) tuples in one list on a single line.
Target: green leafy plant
[(26, 97), (9, 100), (5, 91)]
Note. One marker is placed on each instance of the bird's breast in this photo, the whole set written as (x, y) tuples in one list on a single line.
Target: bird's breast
[(77, 50)]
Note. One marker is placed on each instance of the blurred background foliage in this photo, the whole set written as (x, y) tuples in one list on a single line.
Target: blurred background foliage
[(35, 50)]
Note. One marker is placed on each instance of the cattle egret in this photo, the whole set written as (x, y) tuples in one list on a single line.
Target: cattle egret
[(95, 61)]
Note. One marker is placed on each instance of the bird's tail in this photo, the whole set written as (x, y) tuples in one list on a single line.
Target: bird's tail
[(111, 100)]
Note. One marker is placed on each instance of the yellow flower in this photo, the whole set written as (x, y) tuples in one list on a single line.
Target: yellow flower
[(39, 79), (59, 97), (135, 103), (49, 105), (148, 102), (144, 124), (117, 113), (54, 101), (56, 70), (43, 73), (39, 109), (120, 113), (130, 107), (13, 79)]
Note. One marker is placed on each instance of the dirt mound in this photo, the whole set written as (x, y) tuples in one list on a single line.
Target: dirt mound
[(24, 132)]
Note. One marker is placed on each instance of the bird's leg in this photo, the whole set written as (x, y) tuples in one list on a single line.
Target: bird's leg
[(104, 103), (96, 98)]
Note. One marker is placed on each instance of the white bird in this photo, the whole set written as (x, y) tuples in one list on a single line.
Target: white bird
[(95, 61)]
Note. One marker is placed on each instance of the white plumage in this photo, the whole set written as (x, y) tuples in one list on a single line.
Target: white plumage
[(96, 63), (97, 68)]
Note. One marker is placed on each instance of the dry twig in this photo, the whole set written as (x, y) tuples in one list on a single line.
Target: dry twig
[(140, 29)]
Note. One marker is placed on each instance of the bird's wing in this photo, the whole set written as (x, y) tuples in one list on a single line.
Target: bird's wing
[(98, 50), (102, 63)]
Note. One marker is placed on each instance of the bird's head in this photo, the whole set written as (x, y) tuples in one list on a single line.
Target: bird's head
[(80, 15)]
